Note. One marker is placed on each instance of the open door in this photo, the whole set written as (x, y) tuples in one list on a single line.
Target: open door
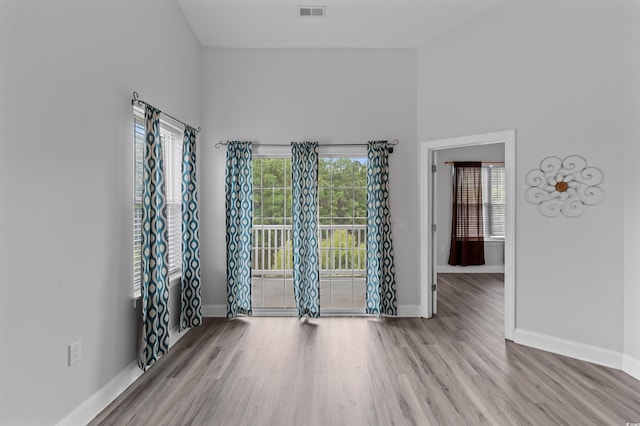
[(428, 272), (434, 236), (428, 231)]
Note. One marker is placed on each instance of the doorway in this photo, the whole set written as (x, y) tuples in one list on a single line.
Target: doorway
[(429, 247)]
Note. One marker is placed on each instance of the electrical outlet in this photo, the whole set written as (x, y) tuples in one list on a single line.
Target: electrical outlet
[(75, 352)]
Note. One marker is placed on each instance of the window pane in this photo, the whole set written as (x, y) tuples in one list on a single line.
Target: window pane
[(360, 204), (273, 172), (324, 201), (287, 202), (498, 200), (287, 172), (172, 162), (171, 144), (342, 203), (360, 172), (324, 172), (342, 173), (175, 236), (257, 204), (273, 206), (494, 193), (498, 224), (498, 187), (139, 134), (342, 293), (138, 154), (256, 171)]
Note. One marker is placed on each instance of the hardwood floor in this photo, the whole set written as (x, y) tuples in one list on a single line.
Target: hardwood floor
[(453, 369)]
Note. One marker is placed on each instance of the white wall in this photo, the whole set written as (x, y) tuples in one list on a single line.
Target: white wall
[(493, 250), (326, 95), (68, 71), (631, 152), (553, 71)]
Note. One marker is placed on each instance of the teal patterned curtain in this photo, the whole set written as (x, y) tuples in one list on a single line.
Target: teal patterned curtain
[(239, 205), (190, 314), (381, 281), (155, 292), (304, 170)]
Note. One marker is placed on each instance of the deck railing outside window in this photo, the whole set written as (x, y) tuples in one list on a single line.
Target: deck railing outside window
[(342, 249)]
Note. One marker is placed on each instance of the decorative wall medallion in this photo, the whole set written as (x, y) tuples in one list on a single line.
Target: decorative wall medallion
[(565, 187)]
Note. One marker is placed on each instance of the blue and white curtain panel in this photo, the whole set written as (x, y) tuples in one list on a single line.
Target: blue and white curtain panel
[(191, 306), (239, 208), (304, 170), (155, 291), (381, 281)]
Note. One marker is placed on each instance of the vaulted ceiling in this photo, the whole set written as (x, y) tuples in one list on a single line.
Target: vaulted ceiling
[(348, 23)]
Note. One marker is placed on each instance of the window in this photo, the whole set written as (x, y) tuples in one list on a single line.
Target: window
[(171, 141), (493, 196)]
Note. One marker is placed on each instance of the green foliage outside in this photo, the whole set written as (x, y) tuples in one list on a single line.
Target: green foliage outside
[(342, 195), (284, 257), (345, 252), (342, 200), (341, 251)]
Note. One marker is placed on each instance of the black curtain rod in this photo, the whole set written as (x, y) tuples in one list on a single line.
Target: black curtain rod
[(142, 103), (389, 144)]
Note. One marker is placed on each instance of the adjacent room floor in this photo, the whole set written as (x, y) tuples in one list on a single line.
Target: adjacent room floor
[(455, 368)]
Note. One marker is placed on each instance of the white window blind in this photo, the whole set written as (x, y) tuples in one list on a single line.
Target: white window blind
[(171, 142), (493, 195), (138, 154), (172, 156)]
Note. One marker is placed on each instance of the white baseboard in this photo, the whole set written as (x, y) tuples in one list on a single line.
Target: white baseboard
[(569, 348), (480, 269), (220, 311), (409, 311), (175, 335), (216, 311), (631, 366), (97, 402)]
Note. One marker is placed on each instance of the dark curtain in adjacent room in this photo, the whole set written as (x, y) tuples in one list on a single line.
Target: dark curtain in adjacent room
[(467, 228)]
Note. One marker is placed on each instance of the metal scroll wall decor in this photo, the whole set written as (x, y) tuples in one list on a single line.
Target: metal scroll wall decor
[(566, 187)]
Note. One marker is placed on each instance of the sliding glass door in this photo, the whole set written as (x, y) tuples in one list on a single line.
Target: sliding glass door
[(343, 224), (342, 219)]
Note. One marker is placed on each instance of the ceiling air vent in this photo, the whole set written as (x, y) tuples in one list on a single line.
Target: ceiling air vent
[(312, 11)]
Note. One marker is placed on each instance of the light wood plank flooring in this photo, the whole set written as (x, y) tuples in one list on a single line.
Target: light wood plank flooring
[(454, 369)]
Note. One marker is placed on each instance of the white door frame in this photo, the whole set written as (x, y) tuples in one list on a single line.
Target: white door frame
[(427, 268)]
